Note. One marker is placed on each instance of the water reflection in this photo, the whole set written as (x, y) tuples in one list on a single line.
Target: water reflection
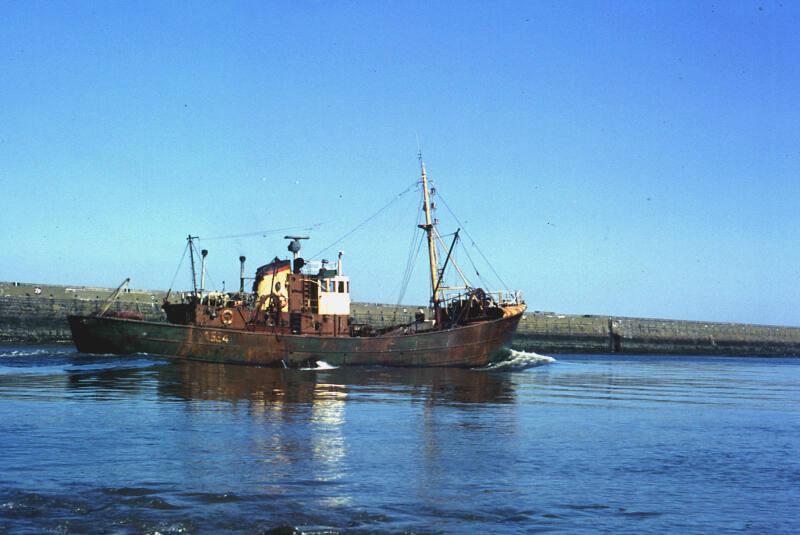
[(326, 391), (298, 429)]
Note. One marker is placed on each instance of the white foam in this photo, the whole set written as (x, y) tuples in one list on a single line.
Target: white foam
[(519, 360), (36, 352), (320, 365)]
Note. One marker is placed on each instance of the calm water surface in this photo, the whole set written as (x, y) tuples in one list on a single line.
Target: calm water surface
[(106, 444)]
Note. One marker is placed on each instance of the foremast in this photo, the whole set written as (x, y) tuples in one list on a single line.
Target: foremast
[(428, 227)]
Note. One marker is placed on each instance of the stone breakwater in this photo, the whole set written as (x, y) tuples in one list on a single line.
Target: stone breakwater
[(44, 319), (30, 316), (557, 333)]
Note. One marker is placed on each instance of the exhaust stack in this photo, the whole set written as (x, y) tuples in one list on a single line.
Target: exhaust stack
[(339, 263), (241, 274)]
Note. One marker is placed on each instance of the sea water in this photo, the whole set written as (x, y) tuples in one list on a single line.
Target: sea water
[(577, 444)]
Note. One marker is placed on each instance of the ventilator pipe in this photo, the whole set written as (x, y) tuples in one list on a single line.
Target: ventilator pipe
[(204, 254)]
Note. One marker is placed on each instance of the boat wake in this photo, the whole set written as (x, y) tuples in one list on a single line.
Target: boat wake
[(67, 361), (518, 360), (36, 352), (115, 363), (320, 365)]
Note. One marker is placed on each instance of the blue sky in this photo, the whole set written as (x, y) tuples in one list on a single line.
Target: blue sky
[(627, 158)]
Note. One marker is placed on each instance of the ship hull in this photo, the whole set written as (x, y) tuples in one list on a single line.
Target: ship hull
[(465, 346)]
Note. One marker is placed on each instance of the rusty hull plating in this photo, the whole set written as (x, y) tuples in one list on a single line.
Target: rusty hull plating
[(468, 345)]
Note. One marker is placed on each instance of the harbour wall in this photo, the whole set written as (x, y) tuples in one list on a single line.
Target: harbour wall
[(39, 320), (31, 316), (561, 333)]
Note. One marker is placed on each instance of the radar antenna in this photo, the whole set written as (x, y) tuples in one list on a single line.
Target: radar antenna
[(294, 245)]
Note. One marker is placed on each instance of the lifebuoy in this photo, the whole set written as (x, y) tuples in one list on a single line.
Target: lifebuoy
[(227, 316)]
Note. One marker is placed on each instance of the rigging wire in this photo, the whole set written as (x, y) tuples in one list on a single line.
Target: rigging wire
[(474, 245), (262, 233), (367, 220), (411, 271), (413, 253), (415, 237), (453, 259), (211, 282), (472, 262), (183, 257), (463, 247), (207, 275), (407, 279)]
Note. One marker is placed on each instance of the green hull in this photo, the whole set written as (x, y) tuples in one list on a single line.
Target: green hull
[(465, 346)]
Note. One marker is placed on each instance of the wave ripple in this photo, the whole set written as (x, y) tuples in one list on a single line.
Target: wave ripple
[(519, 360)]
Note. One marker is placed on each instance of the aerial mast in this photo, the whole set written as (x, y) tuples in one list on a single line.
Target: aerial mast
[(428, 227)]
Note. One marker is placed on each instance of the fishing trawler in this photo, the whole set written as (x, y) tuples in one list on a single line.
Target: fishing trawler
[(298, 315)]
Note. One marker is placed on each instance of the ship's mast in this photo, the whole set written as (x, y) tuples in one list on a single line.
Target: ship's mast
[(189, 238), (428, 227)]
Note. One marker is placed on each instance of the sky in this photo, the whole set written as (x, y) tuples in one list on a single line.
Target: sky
[(623, 158)]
